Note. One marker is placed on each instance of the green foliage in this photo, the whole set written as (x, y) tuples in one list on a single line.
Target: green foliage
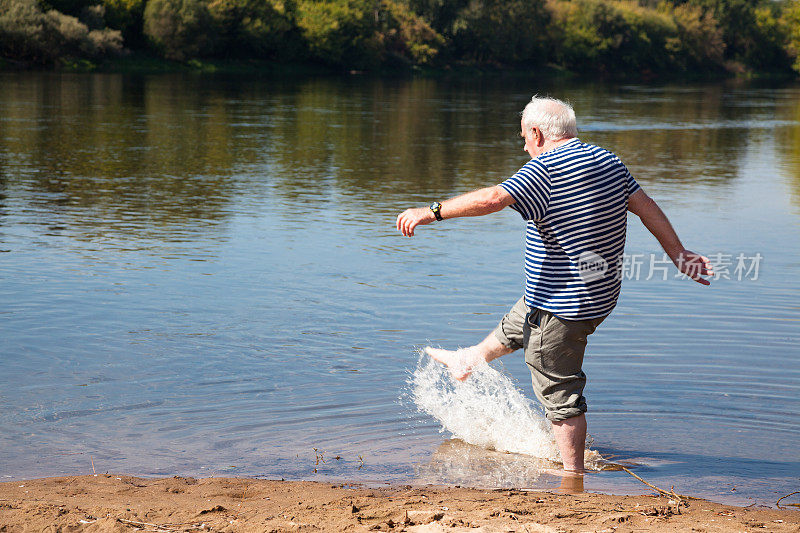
[(612, 36), (29, 34), (752, 31), (128, 17), (341, 31), (406, 36), (440, 14), (179, 29), (607, 36), (735, 17), (489, 31), (767, 49), (698, 43), (502, 31), (790, 20), (67, 7), (259, 28)]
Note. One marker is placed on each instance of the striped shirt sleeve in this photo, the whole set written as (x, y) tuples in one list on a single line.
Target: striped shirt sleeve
[(633, 186), (530, 188)]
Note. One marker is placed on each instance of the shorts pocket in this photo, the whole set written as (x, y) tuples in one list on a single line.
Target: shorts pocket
[(533, 318)]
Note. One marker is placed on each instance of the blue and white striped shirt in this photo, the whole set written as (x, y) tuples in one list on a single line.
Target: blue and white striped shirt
[(575, 201)]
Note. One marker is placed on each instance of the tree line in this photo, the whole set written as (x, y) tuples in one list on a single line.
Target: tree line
[(594, 36)]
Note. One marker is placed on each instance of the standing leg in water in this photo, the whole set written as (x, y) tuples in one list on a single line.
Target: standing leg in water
[(461, 362), (570, 436)]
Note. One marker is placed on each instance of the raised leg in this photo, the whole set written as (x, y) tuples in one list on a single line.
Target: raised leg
[(461, 362)]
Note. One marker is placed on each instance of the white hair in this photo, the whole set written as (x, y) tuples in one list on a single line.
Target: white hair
[(554, 118)]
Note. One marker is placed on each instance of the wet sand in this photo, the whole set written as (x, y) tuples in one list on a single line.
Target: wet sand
[(108, 502)]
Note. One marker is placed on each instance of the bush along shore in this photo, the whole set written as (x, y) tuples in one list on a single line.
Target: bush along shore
[(644, 38)]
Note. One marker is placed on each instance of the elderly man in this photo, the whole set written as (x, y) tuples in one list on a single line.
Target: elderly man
[(574, 198)]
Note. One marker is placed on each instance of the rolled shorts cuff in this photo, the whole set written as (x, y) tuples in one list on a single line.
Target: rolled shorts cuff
[(505, 341), (510, 332), (559, 415)]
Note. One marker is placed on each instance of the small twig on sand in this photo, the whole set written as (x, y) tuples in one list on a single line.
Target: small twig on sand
[(135, 523), (92, 459), (778, 503), (671, 493)]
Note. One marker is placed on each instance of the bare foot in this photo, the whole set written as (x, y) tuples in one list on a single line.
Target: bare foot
[(559, 472), (459, 362)]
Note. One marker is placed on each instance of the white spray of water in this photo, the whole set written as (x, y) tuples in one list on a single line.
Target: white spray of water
[(486, 409)]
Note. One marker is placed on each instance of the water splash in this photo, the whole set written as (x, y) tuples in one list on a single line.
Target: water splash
[(455, 462), (486, 410)]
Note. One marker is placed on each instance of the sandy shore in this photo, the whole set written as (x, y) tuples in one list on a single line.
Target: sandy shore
[(108, 502)]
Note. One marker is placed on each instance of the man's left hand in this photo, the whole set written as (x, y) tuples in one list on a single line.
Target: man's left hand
[(411, 218), (694, 266)]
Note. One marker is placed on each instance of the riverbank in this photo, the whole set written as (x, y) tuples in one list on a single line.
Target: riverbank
[(145, 63), (109, 502)]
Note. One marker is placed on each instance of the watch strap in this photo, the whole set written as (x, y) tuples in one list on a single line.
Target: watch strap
[(436, 207)]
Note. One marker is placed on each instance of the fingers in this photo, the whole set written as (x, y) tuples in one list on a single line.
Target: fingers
[(408, 227), (402, 224), (696, 266), (706, 268), (406, 224), (410, 219)]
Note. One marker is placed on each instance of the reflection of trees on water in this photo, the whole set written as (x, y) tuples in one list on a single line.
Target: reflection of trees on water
[(673, 135), (176, 150), (376, 138), (133, 154), (425, 138), (3, 187), (788, 141)]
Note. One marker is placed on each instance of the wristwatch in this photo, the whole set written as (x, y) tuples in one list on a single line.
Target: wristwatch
[(436, 207)]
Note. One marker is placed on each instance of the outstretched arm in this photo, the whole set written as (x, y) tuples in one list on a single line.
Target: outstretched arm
[(692, 264), (471, 204)]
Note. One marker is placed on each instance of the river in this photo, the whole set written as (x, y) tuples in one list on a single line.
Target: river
[(201, 276)]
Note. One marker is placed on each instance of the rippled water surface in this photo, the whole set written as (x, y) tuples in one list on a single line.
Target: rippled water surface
[(201, 276)]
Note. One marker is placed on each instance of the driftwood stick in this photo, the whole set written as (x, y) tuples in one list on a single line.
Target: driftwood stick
[(135, 523), (671, 493), (778, 503)]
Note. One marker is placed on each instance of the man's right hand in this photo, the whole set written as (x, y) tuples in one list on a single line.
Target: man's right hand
[(472, 204), (411, 218)]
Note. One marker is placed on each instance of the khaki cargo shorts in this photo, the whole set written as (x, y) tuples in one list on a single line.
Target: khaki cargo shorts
[(554, 353)]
